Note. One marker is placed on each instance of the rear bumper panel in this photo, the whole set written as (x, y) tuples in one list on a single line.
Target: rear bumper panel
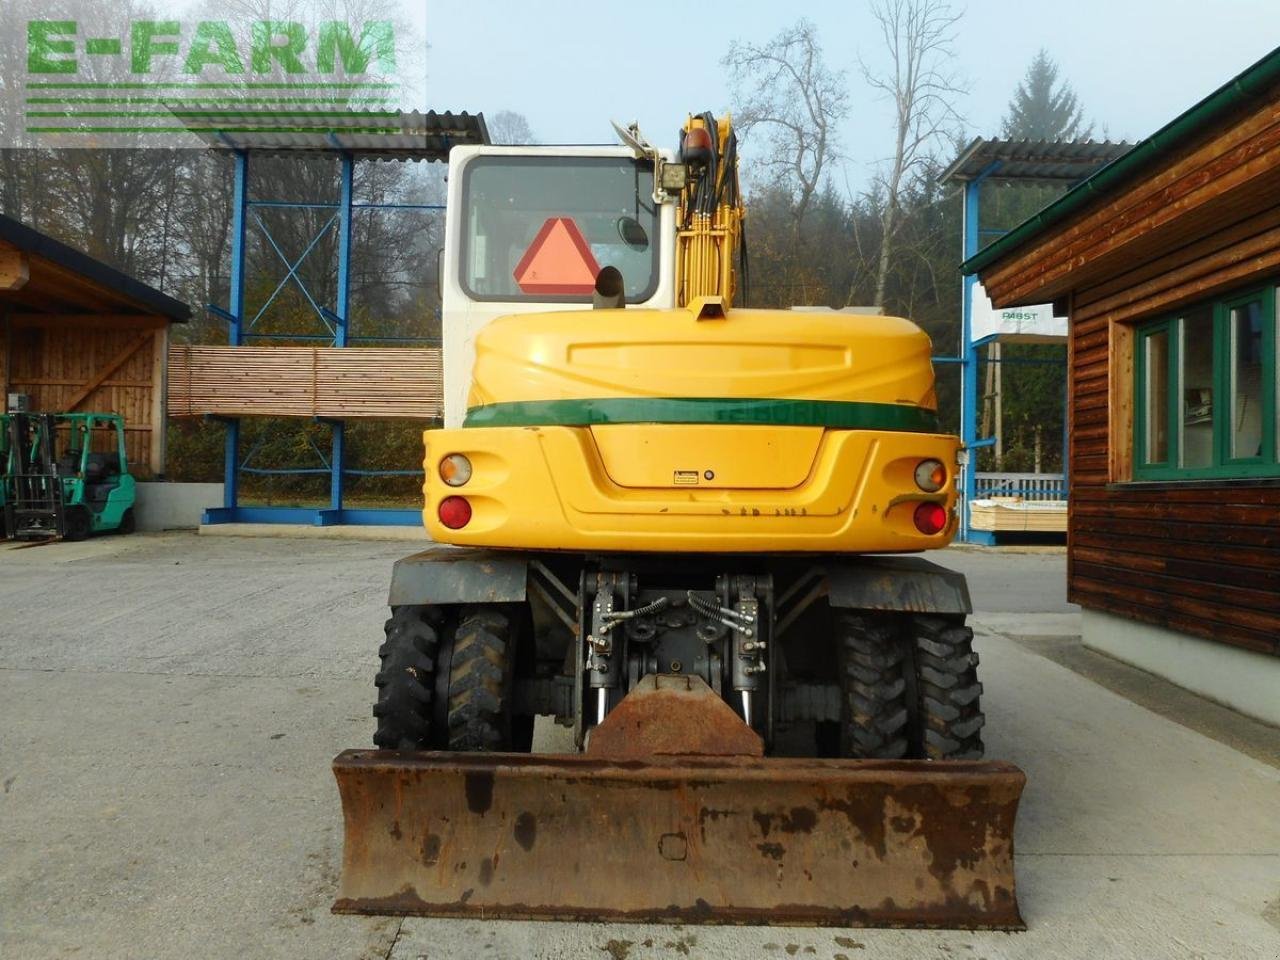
[(904, 584), (547, 488)]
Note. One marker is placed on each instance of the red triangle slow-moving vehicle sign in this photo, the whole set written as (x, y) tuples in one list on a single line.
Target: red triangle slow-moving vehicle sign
[(558, 262)]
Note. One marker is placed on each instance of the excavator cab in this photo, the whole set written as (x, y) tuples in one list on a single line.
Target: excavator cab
[(530, 229), (682, 527)]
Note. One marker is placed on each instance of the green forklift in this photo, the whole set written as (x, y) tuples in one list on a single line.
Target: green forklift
[(65, 475)]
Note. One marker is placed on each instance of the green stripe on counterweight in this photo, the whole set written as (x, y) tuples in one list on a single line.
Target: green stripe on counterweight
[(837, 414)]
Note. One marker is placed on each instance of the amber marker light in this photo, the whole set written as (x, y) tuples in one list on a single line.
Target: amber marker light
[(931, 475), (455, 470)]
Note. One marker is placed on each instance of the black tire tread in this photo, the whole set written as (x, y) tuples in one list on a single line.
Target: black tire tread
[(873, 661), (480, 682), (405, 681), (951, 716)]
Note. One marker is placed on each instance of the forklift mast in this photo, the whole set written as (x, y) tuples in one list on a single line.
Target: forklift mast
[(33, 494), (55, 484)]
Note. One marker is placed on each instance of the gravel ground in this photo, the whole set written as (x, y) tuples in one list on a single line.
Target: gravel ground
[(172, 702)]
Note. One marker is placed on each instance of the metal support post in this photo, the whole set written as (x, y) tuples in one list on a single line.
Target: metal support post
[(231, 478), (969, 359), (239, 210), (235, 326), (969, 362), (337, 464), (344, 255)]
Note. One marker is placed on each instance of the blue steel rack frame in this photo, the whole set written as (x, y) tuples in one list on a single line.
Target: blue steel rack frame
[(337, 333), (972, 235)]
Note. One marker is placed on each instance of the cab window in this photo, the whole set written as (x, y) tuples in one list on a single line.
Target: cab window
[(540, 228)]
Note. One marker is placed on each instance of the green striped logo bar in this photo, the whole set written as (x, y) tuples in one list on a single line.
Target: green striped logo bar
[(99, 78), (836, 414)]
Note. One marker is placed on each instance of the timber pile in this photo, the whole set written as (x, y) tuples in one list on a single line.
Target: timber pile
[(353, 382), (1015, 515)]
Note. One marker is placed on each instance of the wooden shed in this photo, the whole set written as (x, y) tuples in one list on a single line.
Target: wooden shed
[(1167, 262), (76, 334)]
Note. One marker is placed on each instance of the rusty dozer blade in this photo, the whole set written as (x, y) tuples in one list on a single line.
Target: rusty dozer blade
[(724, 836)]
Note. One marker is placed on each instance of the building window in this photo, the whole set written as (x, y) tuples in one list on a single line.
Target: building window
[(1206, 391)]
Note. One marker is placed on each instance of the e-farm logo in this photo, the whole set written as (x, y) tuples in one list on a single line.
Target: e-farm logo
[(166, 76)]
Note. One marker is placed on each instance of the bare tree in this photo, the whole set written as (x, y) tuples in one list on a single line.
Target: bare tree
[(918, 37), (510, 127), (784, 89), (203, 229)]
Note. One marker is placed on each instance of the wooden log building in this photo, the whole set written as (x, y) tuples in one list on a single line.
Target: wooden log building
[(1167, 262), (78, 335)]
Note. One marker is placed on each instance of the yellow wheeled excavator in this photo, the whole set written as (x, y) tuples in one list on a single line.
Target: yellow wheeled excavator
[(676, 525)]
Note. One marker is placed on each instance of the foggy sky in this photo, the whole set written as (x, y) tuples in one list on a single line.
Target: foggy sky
[(571, 67)]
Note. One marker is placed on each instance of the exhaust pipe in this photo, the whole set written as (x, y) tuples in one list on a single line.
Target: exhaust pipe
[(610, 292)]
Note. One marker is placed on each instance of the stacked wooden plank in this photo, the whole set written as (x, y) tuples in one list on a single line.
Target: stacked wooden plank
[(343, 383), (1015, 515)]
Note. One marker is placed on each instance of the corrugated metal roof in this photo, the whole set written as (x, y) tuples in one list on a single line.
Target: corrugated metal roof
[(1034, 160), (388, 135)]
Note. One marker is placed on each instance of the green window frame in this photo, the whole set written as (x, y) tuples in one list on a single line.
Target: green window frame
[(1164, 409)]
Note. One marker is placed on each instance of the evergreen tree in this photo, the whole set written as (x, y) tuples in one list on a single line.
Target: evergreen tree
[(1044, 109)]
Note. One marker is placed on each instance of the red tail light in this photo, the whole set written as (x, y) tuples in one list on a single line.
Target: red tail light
[(930, 518), (454, 512)]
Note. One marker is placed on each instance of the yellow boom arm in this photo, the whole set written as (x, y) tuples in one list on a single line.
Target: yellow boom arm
[(710, 236)]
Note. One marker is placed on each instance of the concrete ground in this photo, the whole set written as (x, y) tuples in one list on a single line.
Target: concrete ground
[(171, 704)]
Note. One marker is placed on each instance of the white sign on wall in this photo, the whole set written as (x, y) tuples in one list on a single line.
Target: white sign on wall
[(1015, 324)]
